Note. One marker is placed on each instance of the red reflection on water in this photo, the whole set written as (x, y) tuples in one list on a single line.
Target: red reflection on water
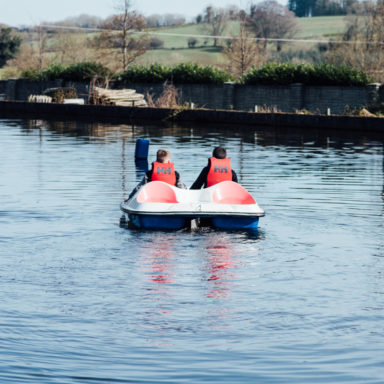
[(221, 267), (157, 265), (159, 260)]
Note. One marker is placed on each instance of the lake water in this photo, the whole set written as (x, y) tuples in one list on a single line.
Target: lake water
[(83, 300)]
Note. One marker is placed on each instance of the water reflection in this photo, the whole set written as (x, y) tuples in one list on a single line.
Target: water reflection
[(161, 258), (186, 132), (308, 140), (221, 266), (141, 168), (158, 258)]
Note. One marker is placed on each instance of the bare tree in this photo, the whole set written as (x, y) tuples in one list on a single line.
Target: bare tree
[(215, 22), (42, 39), (70, 47), (167, 20), (233, 12), (271, 20), (173, 19), (34, 51), (119, 41), (242, 52), (154, 21), (364, 37)]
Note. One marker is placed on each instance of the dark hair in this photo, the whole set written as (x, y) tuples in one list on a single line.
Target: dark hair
[(219, 153), (161, 155)]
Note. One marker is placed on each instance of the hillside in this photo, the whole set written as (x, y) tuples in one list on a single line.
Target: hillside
[(176, 47), (176, 50)]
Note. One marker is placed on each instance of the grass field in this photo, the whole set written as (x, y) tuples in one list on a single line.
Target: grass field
[(309, 28), (323, 26), (176, 49)]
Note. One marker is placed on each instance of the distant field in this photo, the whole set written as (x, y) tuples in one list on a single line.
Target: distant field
[(323, 26), (309, 27), (198, 30), (176, 47), (176, 41), (201, 55)]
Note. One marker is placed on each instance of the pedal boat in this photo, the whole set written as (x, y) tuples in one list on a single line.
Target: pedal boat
[(158, 205)]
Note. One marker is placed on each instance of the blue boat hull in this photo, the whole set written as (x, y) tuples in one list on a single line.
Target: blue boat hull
[(178, 222), (157, 222), (225, 222)]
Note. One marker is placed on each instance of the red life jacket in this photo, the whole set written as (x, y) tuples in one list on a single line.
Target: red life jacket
[(163, 172), (219, 171)]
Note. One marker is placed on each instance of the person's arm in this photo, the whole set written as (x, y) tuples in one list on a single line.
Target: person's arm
[(179, 183), (234, 176), (138, 186), (201, 180)]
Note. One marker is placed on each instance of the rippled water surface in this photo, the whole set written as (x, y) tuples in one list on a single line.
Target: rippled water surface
[(83, 300)]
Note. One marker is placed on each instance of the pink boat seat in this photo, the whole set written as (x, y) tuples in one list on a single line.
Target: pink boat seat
[(229, 192), (157, 192)]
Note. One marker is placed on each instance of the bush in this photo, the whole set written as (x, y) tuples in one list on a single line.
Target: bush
[(181, 74), (156, 43), (85, 71), (31, 74), (74, 72), (323, 74), (53, 72), (155, 73), (192, 41), (59, 94)]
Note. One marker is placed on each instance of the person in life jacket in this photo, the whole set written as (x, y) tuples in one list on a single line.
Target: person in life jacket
[(218, 170), (162, 170)]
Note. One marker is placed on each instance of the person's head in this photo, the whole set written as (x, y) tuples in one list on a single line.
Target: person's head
[(219, 153), (163, 156)]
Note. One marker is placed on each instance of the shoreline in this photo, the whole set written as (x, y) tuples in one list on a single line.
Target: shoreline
[(279, 119)]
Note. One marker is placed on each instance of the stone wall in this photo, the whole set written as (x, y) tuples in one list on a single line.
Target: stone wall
[(230, 96)]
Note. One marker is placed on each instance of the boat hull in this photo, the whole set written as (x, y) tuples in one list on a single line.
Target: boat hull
[(178, 222), (226, 205), (235, 222), (157, 221)]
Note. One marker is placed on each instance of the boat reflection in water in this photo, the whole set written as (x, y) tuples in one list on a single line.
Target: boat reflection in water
[(221, 267)]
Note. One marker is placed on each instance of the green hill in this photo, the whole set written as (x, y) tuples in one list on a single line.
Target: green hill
[(176, 40), (176, 50), (322, 26)]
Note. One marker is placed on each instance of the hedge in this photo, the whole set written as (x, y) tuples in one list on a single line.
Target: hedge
[(74, 72), (190, 73), (324, 74)]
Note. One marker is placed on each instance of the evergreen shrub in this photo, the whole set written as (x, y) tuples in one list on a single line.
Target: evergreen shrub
[(191, 73), (74, 72), (322, 74), (188, 73)]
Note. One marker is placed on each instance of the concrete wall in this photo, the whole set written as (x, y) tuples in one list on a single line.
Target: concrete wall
[(229, 96), (209, 96), (282, 98), (18, 89)]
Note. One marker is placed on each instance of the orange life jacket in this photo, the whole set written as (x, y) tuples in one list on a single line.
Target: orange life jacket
[(219, 171), (163, 172)]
